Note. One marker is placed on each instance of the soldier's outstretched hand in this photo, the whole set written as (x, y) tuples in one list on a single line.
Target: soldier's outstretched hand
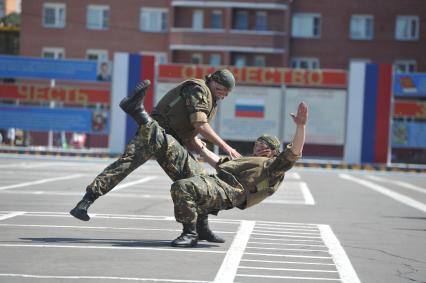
[(302, 114)]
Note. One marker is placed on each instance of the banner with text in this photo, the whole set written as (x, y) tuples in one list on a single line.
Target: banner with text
[(69, 94), (259, 75)]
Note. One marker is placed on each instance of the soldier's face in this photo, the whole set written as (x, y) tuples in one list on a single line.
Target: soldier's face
[(261, 149), (218, 90)]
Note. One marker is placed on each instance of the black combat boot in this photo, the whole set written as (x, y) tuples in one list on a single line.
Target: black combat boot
[(188, 238), (133, 105), (204, 232), (80, 210)]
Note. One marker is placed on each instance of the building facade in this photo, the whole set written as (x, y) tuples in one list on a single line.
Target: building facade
[(280, 33)]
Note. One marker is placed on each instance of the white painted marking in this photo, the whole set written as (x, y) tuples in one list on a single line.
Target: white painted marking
[(280, 244), (293, 175), (289, 229), (399, 183), (288, 277), (109, 248), (98, 227), (396, 196), (309, 199), (343, 264), (297, 250), (228, 269), (42, 181), (290, 236), (128, 184), (286, 240), (97, 278), (10, 215), (281, 255), (288, 269), (284, 232), (288, 262)]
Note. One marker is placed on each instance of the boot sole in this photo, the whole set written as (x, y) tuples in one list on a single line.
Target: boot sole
[(184, 246), (124, 103), (79, 215)]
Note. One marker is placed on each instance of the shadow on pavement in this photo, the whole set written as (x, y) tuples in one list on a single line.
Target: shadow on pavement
[(114, 242)]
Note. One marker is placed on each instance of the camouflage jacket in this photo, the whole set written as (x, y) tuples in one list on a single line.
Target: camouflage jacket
[(258, 177)]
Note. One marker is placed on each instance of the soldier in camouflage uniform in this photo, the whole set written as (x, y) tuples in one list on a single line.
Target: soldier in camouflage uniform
[(241, 182), (183, 112)]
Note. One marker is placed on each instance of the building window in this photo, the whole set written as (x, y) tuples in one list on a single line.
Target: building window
[(305, 63), (54, 15), (99, 55), (217, 19), (97, 17), (215, 59), (407, 28), (361, 27), (261, 22), (259, 61), (197, 19), (53, 53), (240, 61), (197, 58), (404, 66), (241, 20), (153, 19), (306, 25)]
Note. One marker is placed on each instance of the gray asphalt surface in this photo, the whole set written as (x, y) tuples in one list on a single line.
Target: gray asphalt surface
[(321, 226)]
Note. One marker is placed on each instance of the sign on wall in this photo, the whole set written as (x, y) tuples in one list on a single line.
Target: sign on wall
[(409, 85), (64, 93), (327, 114), (54, 119), (260, 76), (249, 112), (407, 134), (43, 68)]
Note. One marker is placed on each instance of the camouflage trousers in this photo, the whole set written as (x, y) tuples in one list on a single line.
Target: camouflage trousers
[(150, 141), (199, 195)]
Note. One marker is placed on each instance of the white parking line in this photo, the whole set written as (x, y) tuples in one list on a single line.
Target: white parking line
[(10, 215), (399, 183), (109, 248), (288, 277), (387, 192), (289, 269), (97, 278), (228, 269), (344, 266), (128, 184), (309, 199), (42, 181), (288, 262)]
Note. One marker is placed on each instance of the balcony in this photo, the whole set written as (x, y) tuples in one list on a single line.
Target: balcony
[(228, 40)]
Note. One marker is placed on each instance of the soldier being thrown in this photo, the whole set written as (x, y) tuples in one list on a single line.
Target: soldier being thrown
[(183, 112), (242, 182)]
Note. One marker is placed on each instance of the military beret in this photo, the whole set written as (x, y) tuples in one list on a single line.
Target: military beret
[(224, 77)]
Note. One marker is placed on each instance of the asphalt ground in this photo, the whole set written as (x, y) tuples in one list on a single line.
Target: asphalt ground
[(323, 225)]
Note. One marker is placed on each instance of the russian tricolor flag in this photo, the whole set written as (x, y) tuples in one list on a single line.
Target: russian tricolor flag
[(249, 108)]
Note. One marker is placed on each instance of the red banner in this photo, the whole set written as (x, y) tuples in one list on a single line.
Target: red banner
[(63, 93), (413, 109), (260, 76)]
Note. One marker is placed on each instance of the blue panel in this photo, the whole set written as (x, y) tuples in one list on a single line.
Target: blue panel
[(409, 85), (134, 78), (46, 119), (369, 115), (42, 68)]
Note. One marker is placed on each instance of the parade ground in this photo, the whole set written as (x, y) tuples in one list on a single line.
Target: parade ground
[(322, 225)]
